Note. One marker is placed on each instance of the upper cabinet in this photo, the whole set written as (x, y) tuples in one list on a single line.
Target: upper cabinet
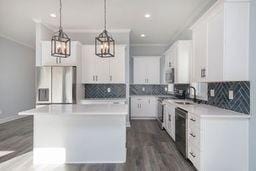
[(146, 70), (72, 60), (177, 60), (97, 70), (221, 43)]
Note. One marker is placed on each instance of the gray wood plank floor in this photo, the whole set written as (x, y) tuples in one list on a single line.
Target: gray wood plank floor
[(148, 149)]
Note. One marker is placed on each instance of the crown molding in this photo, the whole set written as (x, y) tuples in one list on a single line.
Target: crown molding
[(97, 30), (16, 41), (148, 45)]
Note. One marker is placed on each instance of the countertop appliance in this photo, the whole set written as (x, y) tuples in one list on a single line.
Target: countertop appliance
[(56, 85), (180, 130)]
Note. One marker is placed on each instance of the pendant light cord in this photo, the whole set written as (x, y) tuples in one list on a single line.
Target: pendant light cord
[(60, 15), (105, 15)]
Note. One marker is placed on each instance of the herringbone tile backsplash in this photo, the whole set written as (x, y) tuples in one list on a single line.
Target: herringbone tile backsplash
[(241, 100), (101, 90)]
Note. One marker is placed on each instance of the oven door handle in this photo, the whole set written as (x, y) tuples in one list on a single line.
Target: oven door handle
[(180, 115)]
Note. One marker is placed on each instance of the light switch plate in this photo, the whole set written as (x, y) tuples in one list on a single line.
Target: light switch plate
[(109, 90), (212, 93), (231, 94), (143, 88)]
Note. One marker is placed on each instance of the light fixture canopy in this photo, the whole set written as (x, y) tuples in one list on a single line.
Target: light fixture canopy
[(104, 43), (60, 43)]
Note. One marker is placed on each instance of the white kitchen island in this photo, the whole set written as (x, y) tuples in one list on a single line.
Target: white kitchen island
[(94, 133)]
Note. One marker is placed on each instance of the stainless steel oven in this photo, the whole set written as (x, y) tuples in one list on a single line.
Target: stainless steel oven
[(180, 130)]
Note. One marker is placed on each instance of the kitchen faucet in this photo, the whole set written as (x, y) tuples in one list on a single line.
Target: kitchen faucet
[(191, 87)]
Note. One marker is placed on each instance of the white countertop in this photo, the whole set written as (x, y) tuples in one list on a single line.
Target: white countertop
[(76, 109), (203, 110)]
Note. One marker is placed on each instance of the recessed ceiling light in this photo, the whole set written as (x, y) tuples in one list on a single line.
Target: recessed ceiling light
[(142, 35), (53, 15), (147, 15)]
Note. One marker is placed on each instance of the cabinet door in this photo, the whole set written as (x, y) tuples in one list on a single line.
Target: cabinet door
[(215, 31), (101, 69), (153, 70), (199, 52), (117, 66), (171, 120), (149, 107), (136, 107), (88, 65), (139, 72)]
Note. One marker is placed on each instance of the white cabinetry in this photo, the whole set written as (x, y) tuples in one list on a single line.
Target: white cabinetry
[(221, 43), (169, 119), (72, 60), (178, 57), (143, 107), (103, 70), (146, 70), (216, 143)]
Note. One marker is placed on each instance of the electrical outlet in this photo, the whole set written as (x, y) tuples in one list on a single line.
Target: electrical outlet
[(166, 89), (143, 88), (231, 94), (109, 90), (212, 93)]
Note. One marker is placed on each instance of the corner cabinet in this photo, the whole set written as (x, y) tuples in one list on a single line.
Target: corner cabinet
[(97, 70), (143, 107), (72, 60), (221, 43), (146, 69)]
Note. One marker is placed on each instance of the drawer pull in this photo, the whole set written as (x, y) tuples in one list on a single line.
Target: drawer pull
[(192, 154), (192, 119), (192, 135)]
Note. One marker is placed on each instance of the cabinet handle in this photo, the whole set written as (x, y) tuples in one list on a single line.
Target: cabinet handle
[(192, 154), (193, 120), (110, 77), (169, 118), (149, 101), (96, 77), (138, 105), (191, 134), (169, 64), (93, 78)]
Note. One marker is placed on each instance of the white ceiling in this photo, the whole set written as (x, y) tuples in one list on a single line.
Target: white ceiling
[(168, 17)]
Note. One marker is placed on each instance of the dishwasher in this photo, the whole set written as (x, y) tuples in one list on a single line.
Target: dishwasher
[(180, 130)]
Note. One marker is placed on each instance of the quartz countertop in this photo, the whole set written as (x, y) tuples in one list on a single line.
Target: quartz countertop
[(77, 109), (202, 110)]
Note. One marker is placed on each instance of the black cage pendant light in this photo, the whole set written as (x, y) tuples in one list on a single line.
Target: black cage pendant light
[(60, 43), (104, 43)]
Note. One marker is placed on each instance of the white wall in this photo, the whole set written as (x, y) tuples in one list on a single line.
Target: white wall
[(17, 77), (252, 146)]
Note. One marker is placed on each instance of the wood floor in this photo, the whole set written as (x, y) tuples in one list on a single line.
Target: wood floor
[(148, 149)]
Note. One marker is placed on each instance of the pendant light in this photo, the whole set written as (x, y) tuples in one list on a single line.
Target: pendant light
[(60, 43), (104, 43)]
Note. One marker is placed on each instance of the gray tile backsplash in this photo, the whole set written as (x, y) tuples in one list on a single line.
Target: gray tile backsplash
[(240, 101), (101, 90), (145, 89)]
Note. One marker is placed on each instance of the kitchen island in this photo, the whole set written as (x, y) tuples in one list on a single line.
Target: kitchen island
[(93, 133)]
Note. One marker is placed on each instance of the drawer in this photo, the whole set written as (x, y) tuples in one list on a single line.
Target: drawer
[(193, 121), (194, 156), (194, 136)]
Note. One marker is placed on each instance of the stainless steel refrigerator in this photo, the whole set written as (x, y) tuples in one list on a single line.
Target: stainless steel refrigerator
[(56, 85)]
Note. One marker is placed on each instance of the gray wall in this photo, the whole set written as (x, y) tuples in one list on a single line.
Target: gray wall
[(252, 146), (17, 77)]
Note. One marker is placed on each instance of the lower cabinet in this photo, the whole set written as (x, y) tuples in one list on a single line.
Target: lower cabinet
[(169, 119), (217, 143), (143, 107)]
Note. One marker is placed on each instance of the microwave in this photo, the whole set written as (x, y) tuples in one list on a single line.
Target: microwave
[(169, 76)]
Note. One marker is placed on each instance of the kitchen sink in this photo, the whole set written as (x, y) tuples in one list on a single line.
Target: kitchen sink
[(184, 103)]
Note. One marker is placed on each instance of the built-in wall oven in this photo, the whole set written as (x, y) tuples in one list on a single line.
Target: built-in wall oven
[(180, 130)]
